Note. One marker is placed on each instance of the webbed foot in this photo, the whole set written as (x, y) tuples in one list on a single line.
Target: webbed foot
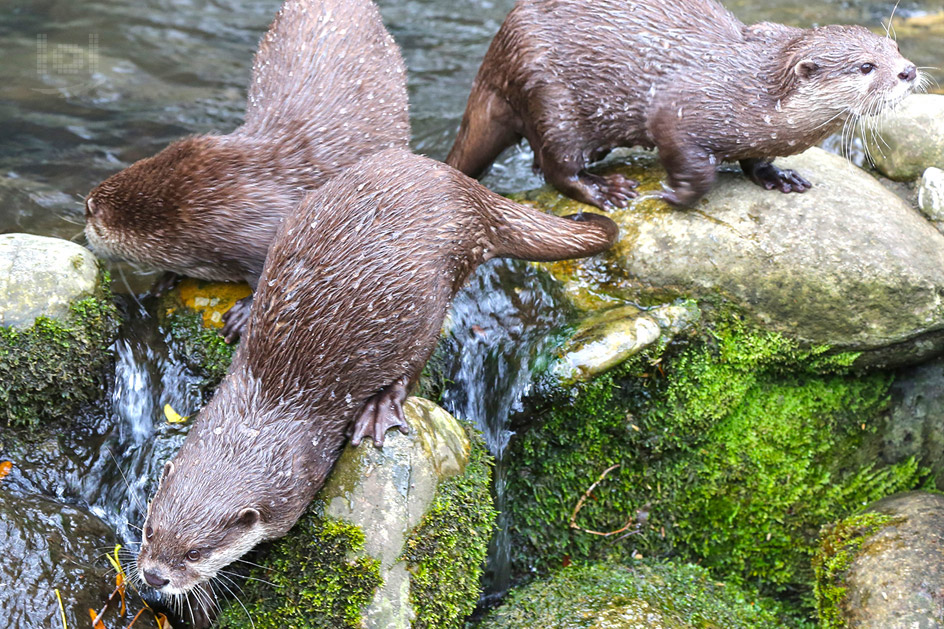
[(765, 174), (613, 190), (235, 319), (382, 412), (166, 282)]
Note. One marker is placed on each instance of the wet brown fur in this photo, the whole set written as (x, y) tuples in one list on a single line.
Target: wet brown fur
[(351, 302), (328, 87), (577, 79)]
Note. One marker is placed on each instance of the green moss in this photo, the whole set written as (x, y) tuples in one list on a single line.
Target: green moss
[(838, 547), (202, 348), (53, 368), (446, 552), (655, 594), (733, 451), (315, 577)]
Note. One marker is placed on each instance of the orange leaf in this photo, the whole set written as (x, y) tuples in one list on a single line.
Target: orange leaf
[(5, 468), (120, 585), (162, 621), (96, 621)]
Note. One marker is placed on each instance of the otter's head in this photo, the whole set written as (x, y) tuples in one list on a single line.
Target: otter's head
[(835, 72), (155, 211), (239, 478)]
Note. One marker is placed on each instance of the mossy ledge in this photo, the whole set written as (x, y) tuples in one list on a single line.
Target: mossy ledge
[(446, 552), (53, 368), (641, 594), (733, 449), (315, 578), (838, 547)]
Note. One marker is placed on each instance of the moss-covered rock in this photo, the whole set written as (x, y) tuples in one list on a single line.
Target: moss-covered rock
[(407, 528), (638, 596), (193, 315), (732, 450), (884, 569), (61, 322)]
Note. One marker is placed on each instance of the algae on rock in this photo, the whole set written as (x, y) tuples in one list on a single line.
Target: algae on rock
[(641, 595)]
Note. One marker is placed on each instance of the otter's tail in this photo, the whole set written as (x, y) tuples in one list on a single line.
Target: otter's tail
[(527, 234), (487, 129)]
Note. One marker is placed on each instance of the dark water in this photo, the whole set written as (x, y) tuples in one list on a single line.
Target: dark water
[(89, 86)]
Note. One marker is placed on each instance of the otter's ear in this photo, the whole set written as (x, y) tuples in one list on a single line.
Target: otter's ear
[(248, 517), (806, 68)]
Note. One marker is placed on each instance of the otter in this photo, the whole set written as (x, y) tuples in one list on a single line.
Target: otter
[(349, 307), (578, 79), (328, 87)]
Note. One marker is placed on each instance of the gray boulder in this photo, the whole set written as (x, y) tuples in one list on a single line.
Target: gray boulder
[(42, 276), (931, 195), (847, 264), (910, 138)]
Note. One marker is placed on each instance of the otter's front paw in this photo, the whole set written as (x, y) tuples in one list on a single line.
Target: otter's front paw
[(380, 413), (235, 319), (613, 190), (772, 178)]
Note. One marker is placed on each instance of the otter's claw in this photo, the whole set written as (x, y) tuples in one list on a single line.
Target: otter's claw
[(772, 178), (380, 413), (613, 190), (164, 283), (235, 319)]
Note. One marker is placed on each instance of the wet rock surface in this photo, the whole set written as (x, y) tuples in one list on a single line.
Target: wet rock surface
[(848, 264), (931, 196), (48, 546), (386, 491), (911, 138), (897, 579), (42, 276)]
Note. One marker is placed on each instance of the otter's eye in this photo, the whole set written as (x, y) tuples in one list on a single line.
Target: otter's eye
[(149, 532), (194, 555), (865, 68)]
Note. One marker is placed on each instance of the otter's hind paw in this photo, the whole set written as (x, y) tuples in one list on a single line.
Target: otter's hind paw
[(380, 413), (235, 319), (767, 175)]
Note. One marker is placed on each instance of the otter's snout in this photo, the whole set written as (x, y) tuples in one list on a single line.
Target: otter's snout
[(155, 580), (910, 73)]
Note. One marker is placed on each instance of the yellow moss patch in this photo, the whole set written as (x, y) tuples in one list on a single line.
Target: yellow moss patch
[(210, 299)]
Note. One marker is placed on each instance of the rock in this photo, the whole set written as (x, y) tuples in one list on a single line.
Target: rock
[(42, 276), (413, 518), (60, 322), (608, 337), (640, 596), (911, 138), (913, 426), (931, 195), (846, 265), (47, 546), (885, 569)]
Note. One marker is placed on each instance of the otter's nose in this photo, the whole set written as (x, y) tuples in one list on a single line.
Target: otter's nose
[(154, 580), (908, 74)]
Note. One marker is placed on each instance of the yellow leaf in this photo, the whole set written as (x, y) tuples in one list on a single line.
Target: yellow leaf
[(173, 416), (115, 561)]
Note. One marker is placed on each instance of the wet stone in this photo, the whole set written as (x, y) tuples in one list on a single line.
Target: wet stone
[(47, 546), (931, 196), (387, 491), (847, 264), (911, 138), (42, 276), (897, 578)]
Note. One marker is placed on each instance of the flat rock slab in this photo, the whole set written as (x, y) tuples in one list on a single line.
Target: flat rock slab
[(847, 264), (42, 276), (897, 579)]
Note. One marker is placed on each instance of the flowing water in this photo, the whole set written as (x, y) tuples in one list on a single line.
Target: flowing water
[(89, 86)]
